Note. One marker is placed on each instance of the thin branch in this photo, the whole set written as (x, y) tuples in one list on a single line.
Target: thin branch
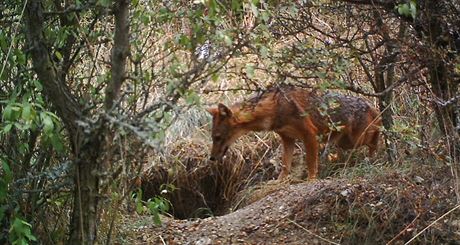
[(313, 234), (432, 223), (389, 89)]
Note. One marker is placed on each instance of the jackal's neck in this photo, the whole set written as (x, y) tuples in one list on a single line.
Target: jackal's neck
[(253, 118)]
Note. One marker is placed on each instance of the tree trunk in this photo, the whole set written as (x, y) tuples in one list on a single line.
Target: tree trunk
[(83, 224), (120, 52), (384, 73), (86, 204), (443, 84)]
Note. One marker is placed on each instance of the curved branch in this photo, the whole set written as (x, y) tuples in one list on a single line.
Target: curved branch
[(55, 87)]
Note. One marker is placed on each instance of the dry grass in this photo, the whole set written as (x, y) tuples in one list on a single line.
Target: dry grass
[(205, 188), (384, 209)]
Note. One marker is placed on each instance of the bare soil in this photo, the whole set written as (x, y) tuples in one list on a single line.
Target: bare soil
[(388, 209)]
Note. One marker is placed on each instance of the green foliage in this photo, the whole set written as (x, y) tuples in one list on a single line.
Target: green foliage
[(408, 132), (30, 131), (408, 9), (31, 116), (192, 98), (21, 233), (154, 206), (5, 179), (104, 3)]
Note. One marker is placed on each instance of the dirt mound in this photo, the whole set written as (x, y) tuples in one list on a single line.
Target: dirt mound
[(205, 188), (392, 208)]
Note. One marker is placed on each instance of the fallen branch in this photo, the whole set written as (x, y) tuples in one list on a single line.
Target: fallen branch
[(434, 222)]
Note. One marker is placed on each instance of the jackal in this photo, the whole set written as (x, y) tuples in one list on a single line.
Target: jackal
[(297, 113)]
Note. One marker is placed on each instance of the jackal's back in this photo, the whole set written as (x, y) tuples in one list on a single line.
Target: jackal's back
[(349, 121)]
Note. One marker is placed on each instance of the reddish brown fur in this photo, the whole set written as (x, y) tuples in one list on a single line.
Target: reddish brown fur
[(295, 113)]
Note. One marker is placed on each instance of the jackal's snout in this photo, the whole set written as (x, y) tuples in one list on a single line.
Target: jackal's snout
[(218, 153)]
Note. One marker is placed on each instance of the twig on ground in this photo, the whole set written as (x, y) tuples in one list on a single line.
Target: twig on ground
[(432, 223), (311, 233)]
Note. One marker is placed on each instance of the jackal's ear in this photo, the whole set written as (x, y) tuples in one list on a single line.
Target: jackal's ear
[(213, 111), (224, 111)]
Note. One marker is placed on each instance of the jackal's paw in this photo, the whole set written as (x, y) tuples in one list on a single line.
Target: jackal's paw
[(282, 175), (312, 180)]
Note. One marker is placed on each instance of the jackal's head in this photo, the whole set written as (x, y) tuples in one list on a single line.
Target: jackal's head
[(225, 131)]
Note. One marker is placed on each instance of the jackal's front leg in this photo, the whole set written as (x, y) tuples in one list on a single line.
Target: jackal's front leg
[(288, 150), (312, 149)]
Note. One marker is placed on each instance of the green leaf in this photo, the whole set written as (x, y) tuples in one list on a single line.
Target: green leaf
[(139, 207), (20, 232), (254, 9), (236, 5), (2, 208), (215, 77), (3, 42), (250, 70), (3, 191), (403, 9), (213, 9), (26, 112), (8, 174), (104, 3), (184, 41), (160, 135), (265, 16), (163, 204), (227, 40), (413, 8), (408, 9), (57, 143), (58, 55), (48, 124), (23, 148), (11, 112), (38, 85), (263, 51), (7, 128), (7, 113), (165, 15), (192, 98), (156, 218), (145, 19), (28, 234), (20, 57)]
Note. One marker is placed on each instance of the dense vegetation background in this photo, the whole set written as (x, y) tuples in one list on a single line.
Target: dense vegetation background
[(89, 90)]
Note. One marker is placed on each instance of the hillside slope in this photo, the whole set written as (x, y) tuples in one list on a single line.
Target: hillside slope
[(391, 208)]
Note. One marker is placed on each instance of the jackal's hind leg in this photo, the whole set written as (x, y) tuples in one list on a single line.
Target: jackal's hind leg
[(374, 144), (288, 150)]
